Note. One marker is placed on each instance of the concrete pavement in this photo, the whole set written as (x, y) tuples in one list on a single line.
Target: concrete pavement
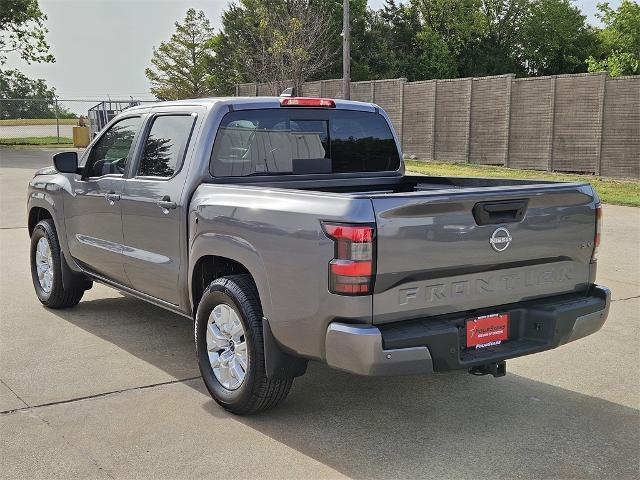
[(110, 389)]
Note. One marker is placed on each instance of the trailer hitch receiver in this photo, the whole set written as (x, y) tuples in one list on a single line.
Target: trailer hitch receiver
[(497, 369)]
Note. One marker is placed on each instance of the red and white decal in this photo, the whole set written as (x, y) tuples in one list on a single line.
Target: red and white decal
[(488, 330)]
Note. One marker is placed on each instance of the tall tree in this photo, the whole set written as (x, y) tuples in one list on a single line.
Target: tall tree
[(399, 46), (279, 42), (22, 31), (554, 38), (492, 52), (180, 66), (457, 22), (620, 38)]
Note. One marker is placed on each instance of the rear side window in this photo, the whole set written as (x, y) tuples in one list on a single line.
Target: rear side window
[(165, 146), (302, 141)]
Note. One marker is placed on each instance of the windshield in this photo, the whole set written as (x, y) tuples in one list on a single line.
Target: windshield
[(302, 141)]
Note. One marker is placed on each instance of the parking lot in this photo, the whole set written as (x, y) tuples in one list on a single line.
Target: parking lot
[(110, 389)]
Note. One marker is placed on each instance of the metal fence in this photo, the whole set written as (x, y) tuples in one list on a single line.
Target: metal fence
[(33, 121), (588, 123)]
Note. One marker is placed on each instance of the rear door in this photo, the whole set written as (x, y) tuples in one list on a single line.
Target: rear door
[(435, 256), (153, 212)]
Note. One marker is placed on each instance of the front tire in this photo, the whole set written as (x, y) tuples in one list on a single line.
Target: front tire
[(230, 348), (46, 268)]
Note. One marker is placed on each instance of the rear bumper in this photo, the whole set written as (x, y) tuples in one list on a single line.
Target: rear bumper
[(437, 344)]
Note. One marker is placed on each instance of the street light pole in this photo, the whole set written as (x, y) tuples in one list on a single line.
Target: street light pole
[(346, 51)]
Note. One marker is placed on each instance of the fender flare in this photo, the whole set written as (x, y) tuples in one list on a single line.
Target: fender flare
[(236, 249), (71, 278)]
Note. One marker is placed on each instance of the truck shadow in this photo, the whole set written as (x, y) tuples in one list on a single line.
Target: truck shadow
[(439, 426), (452, 426)]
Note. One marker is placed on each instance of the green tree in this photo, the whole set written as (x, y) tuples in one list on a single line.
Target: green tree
[(22, 31), (31, 98), (458, 22), (394, 43), (555, 39), (402, 47), (221, 67), (492, 51), (620, 54), (280, 42), (180, 66)]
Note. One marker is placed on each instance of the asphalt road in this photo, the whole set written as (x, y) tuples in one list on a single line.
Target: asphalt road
[(110, 389)]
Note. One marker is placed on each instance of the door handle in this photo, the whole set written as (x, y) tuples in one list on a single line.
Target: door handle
[(112, 198), (166, 204)]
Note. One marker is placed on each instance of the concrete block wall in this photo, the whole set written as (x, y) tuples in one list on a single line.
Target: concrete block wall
[(489, 129), (312, 89), (577, 122), (246, 90), (531, 122), (620, 151), (419, 119), (362, 91), (332, 88), (453, 100), (388, 94), (587, 123)]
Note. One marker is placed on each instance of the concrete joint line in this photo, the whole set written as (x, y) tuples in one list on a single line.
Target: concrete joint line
[(12, 391), (623, 299), (90, 397)]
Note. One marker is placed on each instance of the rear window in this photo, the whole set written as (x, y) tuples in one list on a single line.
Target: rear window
[(302, 141)]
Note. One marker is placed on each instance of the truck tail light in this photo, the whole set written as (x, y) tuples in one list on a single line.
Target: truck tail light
[(596, 240), (352, 270), (307, 102)]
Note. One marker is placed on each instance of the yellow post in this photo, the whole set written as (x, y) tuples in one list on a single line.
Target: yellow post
[(81, 136)]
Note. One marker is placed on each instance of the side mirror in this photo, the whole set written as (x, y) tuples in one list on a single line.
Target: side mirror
[(66, 162)]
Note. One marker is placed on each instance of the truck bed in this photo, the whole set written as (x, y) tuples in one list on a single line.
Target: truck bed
[(437, 240), (399, 184)]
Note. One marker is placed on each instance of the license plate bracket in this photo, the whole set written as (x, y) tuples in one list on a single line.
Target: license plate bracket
[(487, 330)]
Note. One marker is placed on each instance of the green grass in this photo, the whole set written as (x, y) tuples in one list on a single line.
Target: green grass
[(37, 121), (52, 140), (616, 192)]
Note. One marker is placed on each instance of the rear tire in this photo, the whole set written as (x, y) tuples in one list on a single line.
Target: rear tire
[(243, 391), (46, 268)]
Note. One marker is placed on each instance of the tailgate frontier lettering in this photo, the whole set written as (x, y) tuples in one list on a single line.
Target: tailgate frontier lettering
[(441, 293)]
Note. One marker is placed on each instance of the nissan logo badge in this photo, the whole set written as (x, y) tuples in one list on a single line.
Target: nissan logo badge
[(500, 239)]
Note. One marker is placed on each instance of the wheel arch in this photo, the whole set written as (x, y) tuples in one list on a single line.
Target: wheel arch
[(212, 256), (70, 277), (36, 214)]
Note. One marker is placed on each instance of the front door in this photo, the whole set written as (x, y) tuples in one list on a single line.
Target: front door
[(93, 215), (153, 212)]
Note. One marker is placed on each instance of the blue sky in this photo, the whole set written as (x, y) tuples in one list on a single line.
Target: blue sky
[(103, 46)]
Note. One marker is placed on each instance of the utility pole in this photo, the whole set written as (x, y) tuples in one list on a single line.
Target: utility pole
[(57, 118), (346, 51)]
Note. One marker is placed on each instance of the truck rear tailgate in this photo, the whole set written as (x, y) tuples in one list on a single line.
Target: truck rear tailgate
[(435, 256)]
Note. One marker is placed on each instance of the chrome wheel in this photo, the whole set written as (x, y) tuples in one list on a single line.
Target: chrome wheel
[(227, 346), (44, 265)]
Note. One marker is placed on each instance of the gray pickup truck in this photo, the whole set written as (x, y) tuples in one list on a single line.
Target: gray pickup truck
[(287, 230)]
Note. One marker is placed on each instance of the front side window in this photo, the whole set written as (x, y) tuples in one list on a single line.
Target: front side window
[(302, 141), (165, 146), (111, 153)]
